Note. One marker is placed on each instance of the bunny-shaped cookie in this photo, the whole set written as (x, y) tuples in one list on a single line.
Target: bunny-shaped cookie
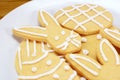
[(107, 69), (62, 40), (113, 35), (36, 61)]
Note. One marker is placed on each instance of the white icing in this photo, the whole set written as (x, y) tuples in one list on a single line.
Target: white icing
[(19, 58), (99, 36), (34, 47), (102, 53), (107, 31), (57, 38), (32, 33), (116, 30), (41, 58), (42, 17), (105, 17), (83, 78), (63, 32), (74, 58), (73, 75), (56, 76), (71, 39), (49, 62), (27, 48), (41, 11), (61, 56), (85, 51), (66, 67), (113, 49), (48, 45), (36, 27), (90, 18), (84, 39), (34, 69), (44, 74)]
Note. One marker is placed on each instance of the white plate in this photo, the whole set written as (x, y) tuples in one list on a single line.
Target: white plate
[(27, 15)]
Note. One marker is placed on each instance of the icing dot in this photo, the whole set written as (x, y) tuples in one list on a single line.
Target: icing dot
[(56, 38), (66, 68), (85, 51), (49, 62), (34, 69), (84, 39), (82, 78), (99, 36), (63, 32), (56, 76)]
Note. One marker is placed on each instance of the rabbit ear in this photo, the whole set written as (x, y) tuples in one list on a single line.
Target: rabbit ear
[(46, 19), (33, 33), (112, 35), (84, 65), (107, 54)]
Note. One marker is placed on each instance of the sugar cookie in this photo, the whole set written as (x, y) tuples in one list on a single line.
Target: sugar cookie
[(113, 35), (89, 45), (61, 40), (36, 61), (84, 18), (108, 67)]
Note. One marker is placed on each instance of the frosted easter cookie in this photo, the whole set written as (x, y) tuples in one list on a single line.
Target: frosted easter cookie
[(108, 67), (113, 35), (36, 61), (84, 18), (60, 39), (89, 45)]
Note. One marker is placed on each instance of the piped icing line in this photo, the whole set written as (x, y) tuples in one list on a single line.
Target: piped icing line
[(73, 75), (80, 24), (19, 58), (41, 11), (102, 53), (44, 74), (34, 48), (42, 17), (73, 57), (71, 18), (70, 39), (32, 33), (67, 11), (36, 27), (113, 49), (27, 47), (98, 12), (107, 31), (45, 53), (91, 18)]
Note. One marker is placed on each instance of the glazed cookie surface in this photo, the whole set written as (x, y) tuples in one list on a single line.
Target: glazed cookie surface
[(108, 67), (113, 35), (84, 18), (36, 61), (61, 40), (89, 45)]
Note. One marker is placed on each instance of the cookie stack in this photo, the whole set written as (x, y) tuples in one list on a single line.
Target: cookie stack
[(78, 43)]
